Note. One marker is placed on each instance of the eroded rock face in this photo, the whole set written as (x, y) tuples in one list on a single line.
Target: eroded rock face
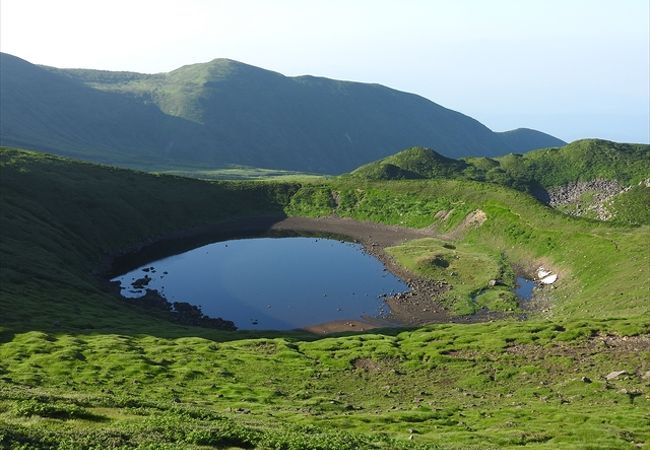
[(587, 198), (574, 194)]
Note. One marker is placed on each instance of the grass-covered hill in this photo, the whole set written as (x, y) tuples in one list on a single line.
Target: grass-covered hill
[(582, 160), (79, 368), (537, 172), (224, 112), (413, 163)]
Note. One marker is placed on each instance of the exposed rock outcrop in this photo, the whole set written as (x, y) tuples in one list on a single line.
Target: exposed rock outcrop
[(574, 194)]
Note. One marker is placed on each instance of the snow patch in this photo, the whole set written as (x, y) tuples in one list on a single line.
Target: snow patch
[(546, 276), (552, 278)]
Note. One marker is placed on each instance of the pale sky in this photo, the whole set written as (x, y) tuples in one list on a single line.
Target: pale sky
[(572, 68)]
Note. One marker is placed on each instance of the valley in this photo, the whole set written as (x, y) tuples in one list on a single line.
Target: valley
[(324, 225), (80, 365)]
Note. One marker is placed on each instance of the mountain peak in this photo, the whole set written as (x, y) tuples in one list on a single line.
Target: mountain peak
[(219, 69), (414, 162)]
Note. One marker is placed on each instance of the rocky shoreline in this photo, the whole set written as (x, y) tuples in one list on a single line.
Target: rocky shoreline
[(412, 308)]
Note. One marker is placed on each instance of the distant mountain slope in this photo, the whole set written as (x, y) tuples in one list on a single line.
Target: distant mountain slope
[(590, 177), (48, 111), (225, 112), (520, 139)]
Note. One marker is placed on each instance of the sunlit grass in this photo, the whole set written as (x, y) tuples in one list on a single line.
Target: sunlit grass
[(80, 369)]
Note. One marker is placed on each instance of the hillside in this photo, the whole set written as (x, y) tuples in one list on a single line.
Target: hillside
[(81, 368), (50, 202), (413, 163), (586, 177), (582, 160), (224, 112)]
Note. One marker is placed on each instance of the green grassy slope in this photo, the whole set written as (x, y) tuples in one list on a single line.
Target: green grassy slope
[(44, 110), (604, 266), (78, 368), (60, 219), (413, 163), (632, 206), (225, 112), (582, 160), (500, 385), (536, 172)]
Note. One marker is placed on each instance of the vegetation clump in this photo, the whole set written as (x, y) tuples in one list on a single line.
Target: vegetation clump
[(38, 407)]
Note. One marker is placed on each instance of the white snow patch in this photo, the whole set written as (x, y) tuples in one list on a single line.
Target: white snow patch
[(549, 279)]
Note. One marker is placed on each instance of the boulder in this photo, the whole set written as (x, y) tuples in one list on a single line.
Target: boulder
[(614, 375), (549, 279)]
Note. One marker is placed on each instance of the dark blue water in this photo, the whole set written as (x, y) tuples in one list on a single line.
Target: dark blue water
[(524, 288), (272, 283)]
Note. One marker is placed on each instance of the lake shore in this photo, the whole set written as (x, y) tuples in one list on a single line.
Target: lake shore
[(413, 308)]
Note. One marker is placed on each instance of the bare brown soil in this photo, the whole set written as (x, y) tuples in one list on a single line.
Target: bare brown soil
[(341, 326)]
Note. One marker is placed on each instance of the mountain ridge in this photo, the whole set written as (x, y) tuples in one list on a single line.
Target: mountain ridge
[(227, 112)]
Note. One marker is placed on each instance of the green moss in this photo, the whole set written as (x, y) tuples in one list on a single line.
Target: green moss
[(497, 299), (632, 207), (436, 381), (466, 271)]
